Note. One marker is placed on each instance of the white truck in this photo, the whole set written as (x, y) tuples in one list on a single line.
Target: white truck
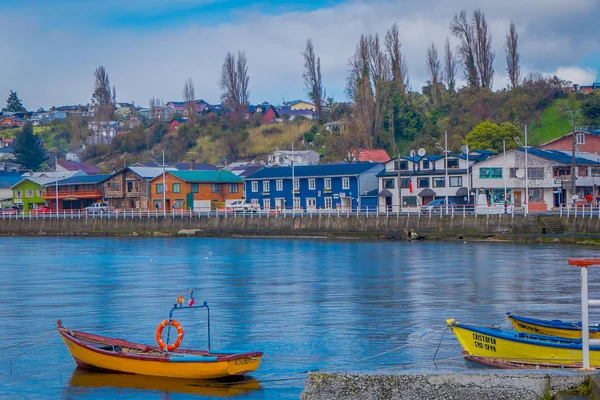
[(243, 206)]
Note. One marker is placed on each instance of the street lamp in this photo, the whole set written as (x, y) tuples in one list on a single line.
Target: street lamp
[(445, 150), (518, 141), (164, 186)]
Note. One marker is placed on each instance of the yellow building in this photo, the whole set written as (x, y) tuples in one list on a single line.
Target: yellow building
[(300, 105)]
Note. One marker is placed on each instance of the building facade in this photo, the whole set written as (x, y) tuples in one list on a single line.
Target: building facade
[(285, 158), (74, 193), (129, 188), (587, 141)]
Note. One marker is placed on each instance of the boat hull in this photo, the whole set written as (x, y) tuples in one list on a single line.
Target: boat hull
[(147, 360), (568, 330), (494, 343)]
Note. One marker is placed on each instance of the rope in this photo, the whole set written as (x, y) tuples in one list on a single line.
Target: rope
[(10, 360), (27, 341)]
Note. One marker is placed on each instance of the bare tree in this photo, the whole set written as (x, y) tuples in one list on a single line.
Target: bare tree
[(398, 67), (484, 56), (313, 83), (433, 66), (513, 66), (234, 84), (449, 67), (189, 96), (157, 109), (463, 30), (101, 98)]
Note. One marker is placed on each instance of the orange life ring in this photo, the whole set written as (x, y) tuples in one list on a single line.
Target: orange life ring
[(159, 330)]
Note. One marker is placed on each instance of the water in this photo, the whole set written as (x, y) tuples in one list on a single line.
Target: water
[(307, 304)]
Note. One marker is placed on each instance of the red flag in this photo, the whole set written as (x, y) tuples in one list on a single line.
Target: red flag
[(191, 302), (410, 187)]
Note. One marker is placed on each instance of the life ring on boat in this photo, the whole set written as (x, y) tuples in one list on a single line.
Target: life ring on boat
[(159, 330)]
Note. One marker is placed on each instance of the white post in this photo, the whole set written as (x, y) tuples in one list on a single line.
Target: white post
[(585, 336), (56, 181), (468, 180), (446, 183), (164, 187), (293, 180), (504, 173), (526, 177)]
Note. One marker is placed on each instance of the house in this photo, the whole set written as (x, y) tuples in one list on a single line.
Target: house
[(335, 126), (103, 132), (6, 153), (29, 191), (130, 187), (7, 166), (192, 165), (293, 114), (195, 190), (423, 179), (269, 114), (6, 142), (299, 105), (77, 166), (74, 193), (131, 122), (286, 158), (12, 122), (312, 187), (369, 155), (587, 141), (174, 123), (548, 178), (7, 180), (586, 88)]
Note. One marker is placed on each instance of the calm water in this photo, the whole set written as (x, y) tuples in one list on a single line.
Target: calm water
[(307, 304)]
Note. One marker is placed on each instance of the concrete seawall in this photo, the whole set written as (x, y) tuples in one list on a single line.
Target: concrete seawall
[(506, 385), (394, 227)]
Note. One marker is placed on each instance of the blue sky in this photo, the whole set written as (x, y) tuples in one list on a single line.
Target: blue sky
[(151, 47)]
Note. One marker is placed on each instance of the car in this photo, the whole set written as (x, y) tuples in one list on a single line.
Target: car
[(14, 209), (42, 209), (98, 208), (242, 206), (437, 205)]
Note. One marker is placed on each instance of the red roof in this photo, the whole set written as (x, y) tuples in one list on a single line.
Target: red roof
[(372, 155)]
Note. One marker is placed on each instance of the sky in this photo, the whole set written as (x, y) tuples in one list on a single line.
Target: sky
[(50, 49)]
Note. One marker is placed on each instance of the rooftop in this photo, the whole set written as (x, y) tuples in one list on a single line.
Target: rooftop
[(221, 176), (313, 170), (76, 166), (80, 180)]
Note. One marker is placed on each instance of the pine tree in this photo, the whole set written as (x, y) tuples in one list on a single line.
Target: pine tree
[(28, 148), (13, 104)]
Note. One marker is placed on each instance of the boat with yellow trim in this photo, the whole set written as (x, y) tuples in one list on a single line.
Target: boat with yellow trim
[(495, 343), (167, 360), (563, 329)]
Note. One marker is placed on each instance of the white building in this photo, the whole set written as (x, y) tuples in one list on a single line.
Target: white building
[(423, 179), (285, 158), (548, 178), (102, 132)]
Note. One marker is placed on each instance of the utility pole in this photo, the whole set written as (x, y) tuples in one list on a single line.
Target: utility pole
[(573, 114), (399, 186), (164, 187)]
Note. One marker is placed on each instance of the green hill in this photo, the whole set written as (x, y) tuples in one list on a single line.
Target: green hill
[(552, 124)]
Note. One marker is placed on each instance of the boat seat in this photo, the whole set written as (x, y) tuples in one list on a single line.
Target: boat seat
[(191, 358)]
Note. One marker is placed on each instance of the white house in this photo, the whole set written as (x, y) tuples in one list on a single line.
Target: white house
[(548, 178), (284, 158), (103, 132)]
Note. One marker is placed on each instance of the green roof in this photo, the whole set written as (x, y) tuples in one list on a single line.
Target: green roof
[(207, 176)]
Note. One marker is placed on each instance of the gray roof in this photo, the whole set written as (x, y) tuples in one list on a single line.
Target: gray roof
[(150, 172)]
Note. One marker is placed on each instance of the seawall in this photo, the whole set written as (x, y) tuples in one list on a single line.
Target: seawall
[(394, 227)]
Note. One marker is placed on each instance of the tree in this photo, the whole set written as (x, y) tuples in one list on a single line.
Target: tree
[(313, 83), (590, 108), (489, 136), (102, 96), (513, 66), (13, 104), (189, 96), (433, 67), (28, 148), (484, 56), (463, 30), (234, 84), (449, 67), (157, 109)]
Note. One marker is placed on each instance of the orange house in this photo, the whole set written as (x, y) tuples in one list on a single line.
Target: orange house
[(195, 189)]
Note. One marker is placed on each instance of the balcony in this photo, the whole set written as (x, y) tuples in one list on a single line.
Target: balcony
[(73, 195)]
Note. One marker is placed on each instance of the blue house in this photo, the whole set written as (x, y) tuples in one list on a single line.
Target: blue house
[(327, 186)]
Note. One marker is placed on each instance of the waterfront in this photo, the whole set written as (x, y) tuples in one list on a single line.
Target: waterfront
[(308, 304)]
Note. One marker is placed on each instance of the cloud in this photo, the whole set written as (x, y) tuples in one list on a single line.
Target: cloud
[(582, 76), (53, 64)]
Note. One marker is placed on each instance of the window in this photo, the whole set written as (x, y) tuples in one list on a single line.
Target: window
[(455, 181), (195, 188), (423, 182), (388, 183), (425, 164), (214, 188), (279, 185), (266, 185), (403, 165), (311, 184), (233, 188), (345, 183), (112, 186), (490, 173), (296, 202), (512, 173), (580, 138), (266, 204), (536, 173), (439, 182), (159, 188), (327, 183), (29, 193), (405, 182), (558, 172), (157, 204), (328, 202), (178, 203), (452, 163), (595, 171), (582, 171), (255, 202), (40, 193), (536, 194), (296, 185), (177, 188), (255, 186), (18, 194), (133, 186)]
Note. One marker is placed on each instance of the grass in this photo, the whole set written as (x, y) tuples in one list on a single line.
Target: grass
[(267, 138), (552, 124)]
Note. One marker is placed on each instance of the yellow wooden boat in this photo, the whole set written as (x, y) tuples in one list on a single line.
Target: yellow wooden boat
[(166, 360), (563, 329), (495, 343)]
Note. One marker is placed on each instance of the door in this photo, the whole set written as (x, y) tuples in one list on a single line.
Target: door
[(346, 204), (388, 203), (426, 200), (189, 201), (311, 205), (517, 198), (279, 204)]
